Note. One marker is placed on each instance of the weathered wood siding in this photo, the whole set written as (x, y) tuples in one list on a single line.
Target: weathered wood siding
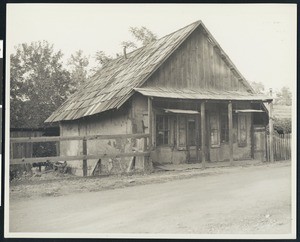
[(107, 123), (196, 64), (23, 150)]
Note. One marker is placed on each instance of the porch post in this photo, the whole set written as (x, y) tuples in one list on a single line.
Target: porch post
[(150, 121), (271, 129), (203, 134), (230, 132), (197, 137), (84, 152)]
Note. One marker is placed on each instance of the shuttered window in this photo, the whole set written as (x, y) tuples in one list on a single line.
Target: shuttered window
[(191, 132), (224, 128), (242, 130), (181, 131), (214, 130)]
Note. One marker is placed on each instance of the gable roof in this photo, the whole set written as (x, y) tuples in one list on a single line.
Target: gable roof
[(114, 84)]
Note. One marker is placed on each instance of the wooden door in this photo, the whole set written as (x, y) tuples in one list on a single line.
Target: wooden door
[(191, 139), (259, 143)]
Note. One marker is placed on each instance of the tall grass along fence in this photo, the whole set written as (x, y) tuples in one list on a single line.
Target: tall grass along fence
[(85, 156), (281, 146)]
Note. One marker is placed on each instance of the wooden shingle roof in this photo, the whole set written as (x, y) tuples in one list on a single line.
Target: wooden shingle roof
[(113, 85)]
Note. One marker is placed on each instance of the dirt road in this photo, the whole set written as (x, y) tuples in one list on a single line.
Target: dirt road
[(246, 200)]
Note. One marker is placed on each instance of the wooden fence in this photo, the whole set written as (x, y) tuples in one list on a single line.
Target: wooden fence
[(85, 156), (281, 146)]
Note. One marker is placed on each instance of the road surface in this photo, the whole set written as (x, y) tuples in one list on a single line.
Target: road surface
[(248, 200)]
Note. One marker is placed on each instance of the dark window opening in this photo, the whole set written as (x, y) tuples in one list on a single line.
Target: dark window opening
[(181, 131), (242, 130), (224, 128), (214, 130), (162, 130), (191, 132)]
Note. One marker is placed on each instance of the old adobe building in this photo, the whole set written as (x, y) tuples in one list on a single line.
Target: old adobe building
[(183, 90)]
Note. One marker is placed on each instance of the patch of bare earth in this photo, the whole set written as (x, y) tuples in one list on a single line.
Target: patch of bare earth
[(53, 183), (252, 199)]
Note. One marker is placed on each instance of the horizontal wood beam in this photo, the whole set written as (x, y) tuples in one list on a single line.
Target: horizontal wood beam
[(88, 137), (72, 158)]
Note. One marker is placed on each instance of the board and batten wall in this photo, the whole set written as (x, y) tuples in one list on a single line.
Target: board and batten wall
[(196, 64)]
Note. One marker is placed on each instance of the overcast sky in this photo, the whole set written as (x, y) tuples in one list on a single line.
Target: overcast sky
[(259, 39)]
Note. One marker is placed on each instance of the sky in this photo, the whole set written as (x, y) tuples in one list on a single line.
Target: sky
[(259, 39)]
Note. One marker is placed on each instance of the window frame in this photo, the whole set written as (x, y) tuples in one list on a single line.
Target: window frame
[(168, 130), (242, 143), (217, 115), (224, 117), (191, 120)]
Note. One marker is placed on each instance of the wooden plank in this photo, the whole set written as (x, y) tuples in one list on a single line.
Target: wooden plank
[(150, 115), (197, 136), (203, 134), (188, 152), (271, 130), (145, 144), (230, 133), (205, 66), (72, 158), (84, 161), (57, 147), (88, 137)]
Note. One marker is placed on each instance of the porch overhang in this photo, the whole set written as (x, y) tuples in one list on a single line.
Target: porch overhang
[(181, 111), (249, 111), (201, 94)]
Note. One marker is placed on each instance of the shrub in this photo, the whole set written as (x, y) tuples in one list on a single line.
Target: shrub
[(283, 126)]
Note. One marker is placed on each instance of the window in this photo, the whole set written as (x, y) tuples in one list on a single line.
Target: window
[(162, 130), (242, 130), (214, 130), (181, 131), (191, 132), (224, 128)]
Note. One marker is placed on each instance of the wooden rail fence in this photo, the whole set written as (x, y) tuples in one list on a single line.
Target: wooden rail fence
[(281, 146), (85, 156)]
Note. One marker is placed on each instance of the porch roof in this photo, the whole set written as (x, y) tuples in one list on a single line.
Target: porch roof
[(182, 111), (201, 94)]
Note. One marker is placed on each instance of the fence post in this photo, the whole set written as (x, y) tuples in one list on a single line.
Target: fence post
[(150, 117), (271, 130), (145, 149), (57, 147), (84, 152), (230, 133)]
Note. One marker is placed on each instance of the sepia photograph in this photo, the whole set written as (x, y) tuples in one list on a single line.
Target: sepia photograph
[(151, 121)]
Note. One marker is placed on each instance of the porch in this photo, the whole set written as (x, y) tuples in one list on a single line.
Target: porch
[(192, 127)]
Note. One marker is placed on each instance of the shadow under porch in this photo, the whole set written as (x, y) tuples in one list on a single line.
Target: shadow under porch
[(189, 131)]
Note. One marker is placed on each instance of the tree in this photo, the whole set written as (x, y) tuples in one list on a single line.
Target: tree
[(102, 58), (78, 64), (284, 97), (142, 36), (258, 87), (39, 84)]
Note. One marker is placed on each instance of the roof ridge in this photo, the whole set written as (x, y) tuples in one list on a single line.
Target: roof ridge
[(144, 46)]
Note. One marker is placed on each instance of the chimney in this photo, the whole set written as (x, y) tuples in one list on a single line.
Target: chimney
[(271, 92), (124, 51)]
